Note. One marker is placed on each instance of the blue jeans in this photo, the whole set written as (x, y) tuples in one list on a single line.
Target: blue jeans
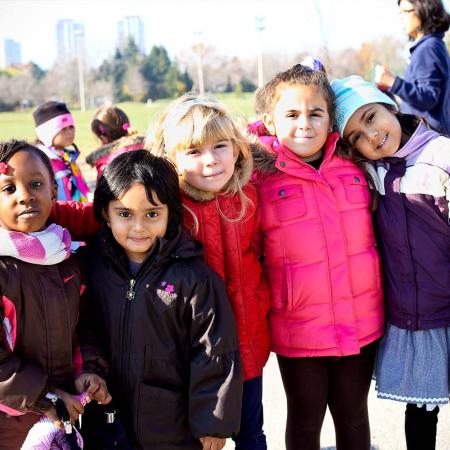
[(251, 435)]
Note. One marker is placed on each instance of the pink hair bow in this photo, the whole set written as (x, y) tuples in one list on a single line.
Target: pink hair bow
[(4, 168)]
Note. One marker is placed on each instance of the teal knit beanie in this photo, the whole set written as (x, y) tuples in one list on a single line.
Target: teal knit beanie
[(352, 93)]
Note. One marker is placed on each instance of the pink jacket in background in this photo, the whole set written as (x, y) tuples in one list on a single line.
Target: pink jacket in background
[(320, 254)]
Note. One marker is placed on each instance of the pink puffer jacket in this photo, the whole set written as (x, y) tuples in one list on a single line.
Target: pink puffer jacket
[(320, 253)]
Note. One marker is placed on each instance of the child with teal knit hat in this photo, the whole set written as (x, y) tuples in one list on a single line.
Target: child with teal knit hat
[(409, 164)]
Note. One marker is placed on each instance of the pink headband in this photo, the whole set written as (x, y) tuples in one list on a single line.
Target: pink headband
[(48, 130)]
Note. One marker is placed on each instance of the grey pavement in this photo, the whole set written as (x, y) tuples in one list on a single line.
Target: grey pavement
[(386, 418)]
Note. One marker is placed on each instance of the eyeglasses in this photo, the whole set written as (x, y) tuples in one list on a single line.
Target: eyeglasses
[(406, 11)]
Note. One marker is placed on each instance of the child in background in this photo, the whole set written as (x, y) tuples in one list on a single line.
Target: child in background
[(410, 166), (112, 127), (40, 287), (321, 261), (214, 164), (56, 131), (163, 315)]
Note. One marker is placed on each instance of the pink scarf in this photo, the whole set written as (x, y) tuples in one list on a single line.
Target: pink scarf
[(47, 247)]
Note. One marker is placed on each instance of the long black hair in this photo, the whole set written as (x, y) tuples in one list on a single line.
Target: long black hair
[(156, 174)]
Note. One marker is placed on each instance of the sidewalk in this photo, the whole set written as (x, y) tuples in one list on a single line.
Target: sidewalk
[(386, 418)]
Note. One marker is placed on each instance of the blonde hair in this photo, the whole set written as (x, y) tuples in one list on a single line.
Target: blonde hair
[(192, 121)]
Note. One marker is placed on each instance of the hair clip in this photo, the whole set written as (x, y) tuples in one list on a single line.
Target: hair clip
[(4, 168), (101, 129), (125, 126), (312, 63)]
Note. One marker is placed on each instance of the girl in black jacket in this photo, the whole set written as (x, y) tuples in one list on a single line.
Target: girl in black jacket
[(163, 315)]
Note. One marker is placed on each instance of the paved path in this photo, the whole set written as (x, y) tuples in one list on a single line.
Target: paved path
[(386, 418)]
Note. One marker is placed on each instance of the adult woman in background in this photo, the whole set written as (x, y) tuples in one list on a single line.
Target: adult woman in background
[(425, 86)]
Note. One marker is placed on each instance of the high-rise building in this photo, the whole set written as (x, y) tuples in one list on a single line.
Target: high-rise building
[(70, 39), (131, 27), (11, 54)]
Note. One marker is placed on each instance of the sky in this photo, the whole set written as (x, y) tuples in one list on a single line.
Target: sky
[(291, 26)]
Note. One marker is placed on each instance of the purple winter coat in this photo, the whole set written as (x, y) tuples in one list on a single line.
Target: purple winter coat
[(413, 220)]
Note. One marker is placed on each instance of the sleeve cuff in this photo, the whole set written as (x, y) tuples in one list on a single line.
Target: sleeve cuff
[(41, 404), (396, 86)]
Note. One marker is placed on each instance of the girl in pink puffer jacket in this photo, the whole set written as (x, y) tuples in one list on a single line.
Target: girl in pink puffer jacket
[(321, 261)]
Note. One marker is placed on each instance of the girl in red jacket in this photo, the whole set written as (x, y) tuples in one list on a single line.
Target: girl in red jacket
[(321, 261), (214, 163)]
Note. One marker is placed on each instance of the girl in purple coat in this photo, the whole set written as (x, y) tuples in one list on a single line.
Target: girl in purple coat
[(409, 164)]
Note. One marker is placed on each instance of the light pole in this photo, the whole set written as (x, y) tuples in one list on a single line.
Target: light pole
[(79, 47), (199, 50), (260, 26)]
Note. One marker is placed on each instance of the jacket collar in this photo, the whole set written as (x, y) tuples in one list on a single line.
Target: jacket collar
[(439, 35), (107, 149), (181, 246), (270, 155), (416, 143)]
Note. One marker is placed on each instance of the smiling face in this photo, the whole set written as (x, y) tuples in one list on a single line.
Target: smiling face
[(207, 167), (26, 193), (136, 223), (374, 131), (300, 120)]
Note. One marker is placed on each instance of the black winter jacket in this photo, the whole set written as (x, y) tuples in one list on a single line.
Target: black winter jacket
[(171, 339)]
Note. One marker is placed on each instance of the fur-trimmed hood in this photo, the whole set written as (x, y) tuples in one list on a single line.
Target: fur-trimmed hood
[(112, 147)]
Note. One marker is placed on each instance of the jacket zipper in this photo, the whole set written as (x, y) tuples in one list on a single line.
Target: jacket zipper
[(129, 296)]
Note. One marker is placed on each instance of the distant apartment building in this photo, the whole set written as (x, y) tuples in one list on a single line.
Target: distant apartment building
[(11, 53), (131, 27), (71, 41)]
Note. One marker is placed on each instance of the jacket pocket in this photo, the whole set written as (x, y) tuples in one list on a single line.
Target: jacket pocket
[(355, 188), (288, 202), (162, 417)]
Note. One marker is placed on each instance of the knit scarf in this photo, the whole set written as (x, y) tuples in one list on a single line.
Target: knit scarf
[(47, 247)]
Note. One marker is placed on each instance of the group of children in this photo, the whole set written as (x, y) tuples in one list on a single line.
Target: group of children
[(215, 245)]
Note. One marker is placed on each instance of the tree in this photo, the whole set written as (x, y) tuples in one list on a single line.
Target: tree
[(156, 68)]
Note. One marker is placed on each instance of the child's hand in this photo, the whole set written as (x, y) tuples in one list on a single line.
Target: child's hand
[(212, 443), (74, 407), (53, 417), (95, 386)]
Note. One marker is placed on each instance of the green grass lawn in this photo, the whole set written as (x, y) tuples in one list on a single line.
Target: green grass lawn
[(20, 124)]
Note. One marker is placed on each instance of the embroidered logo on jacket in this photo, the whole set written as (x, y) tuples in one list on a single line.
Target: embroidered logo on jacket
[(166, 292)]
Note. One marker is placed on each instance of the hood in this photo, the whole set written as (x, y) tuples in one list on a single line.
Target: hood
[(181, 246), (112, 147), (244, 171)]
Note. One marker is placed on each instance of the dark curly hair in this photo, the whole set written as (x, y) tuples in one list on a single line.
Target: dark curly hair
[(9, 148), (156, 174)]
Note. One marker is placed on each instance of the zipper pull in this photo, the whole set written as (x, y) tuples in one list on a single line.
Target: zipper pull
[(131, 293)]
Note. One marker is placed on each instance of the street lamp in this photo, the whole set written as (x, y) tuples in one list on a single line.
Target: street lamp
[(260, 26), (199, 50), (79, 35)]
